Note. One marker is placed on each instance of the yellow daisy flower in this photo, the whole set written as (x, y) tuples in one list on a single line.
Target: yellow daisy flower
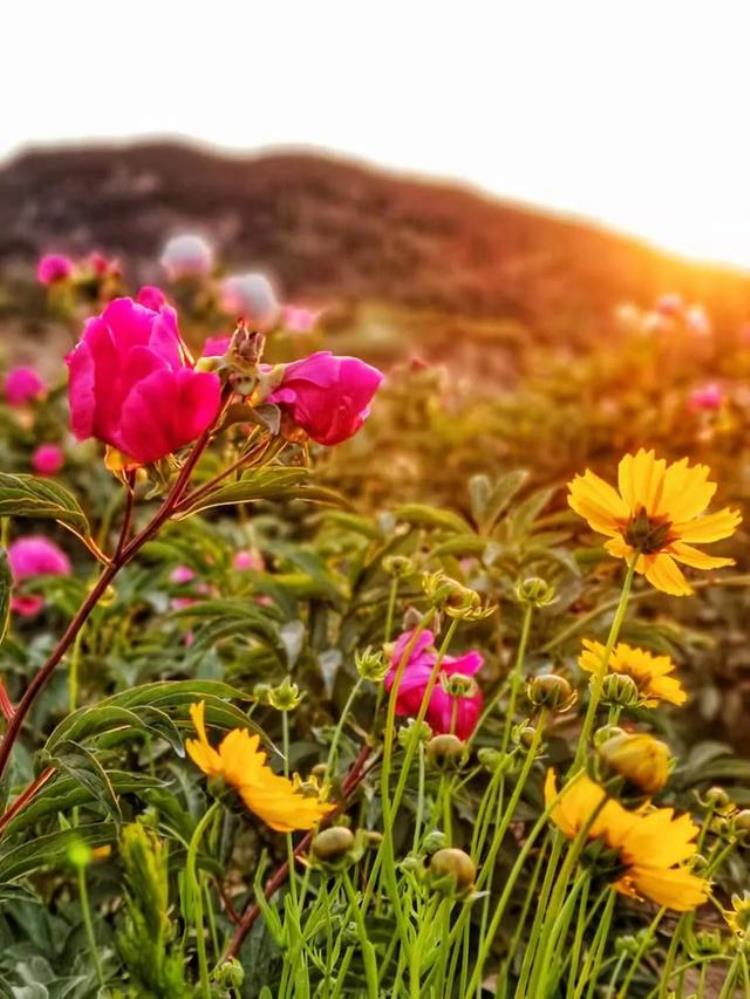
[(658, 512), (650, 847), (281, 803), (650, 673)]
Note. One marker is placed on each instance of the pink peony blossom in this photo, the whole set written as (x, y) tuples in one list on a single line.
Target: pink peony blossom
[(47, 459), (248, 558), (328, 397), (216, 346), (252, 298), (53, 267), (298, 319), (152, 297), (23, 384), (181, 574), (34, 556), (707, 397), (187, 256), (132, 387), (416, 675)]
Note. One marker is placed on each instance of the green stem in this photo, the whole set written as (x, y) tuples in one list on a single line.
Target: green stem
[(339, 727), (88, 922), (194, 897), (648, 936)]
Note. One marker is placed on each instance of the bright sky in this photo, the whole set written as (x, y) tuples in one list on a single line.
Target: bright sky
[(633, 113)]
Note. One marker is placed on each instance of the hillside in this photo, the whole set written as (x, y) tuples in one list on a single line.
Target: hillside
[(330, 229)]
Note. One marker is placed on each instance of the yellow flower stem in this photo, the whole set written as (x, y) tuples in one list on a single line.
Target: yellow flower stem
[(597, 679), (194, 897)]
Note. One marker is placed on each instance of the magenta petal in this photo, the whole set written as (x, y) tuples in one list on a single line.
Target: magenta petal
[(423, 642), (129, 322), (81, 391), (468, 664)]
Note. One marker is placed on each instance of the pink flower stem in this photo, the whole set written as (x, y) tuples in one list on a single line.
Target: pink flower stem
[(127, 519), (126, 553)]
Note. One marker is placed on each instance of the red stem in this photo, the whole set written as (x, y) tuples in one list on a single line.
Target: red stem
[(25, 797), (352, 780), (124, 555), (6, 705)]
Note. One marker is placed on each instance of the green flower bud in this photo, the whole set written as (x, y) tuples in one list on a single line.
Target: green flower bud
[(399, 566), (708, 942), (620, 690), (446, 751), (407, 732), (285, 697), (535, 592), (452, 871), (457, 600), (458, 685), (371, 665), (524, 735), (434, 841), (80, 855), (262, 693), (551, 691), (332, 844), (229, 975), (717, 798), (492, 759), (741, 826), (607, 732)]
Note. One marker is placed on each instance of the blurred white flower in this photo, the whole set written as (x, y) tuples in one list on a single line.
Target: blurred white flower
[(251, 297), (187, 256)]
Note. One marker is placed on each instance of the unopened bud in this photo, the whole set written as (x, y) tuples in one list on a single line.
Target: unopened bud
[(245, 349), (262, 693), (524, 735), (718, 798), (639, 759), (285, 697), (446, 750), (453, 869), (418, 731), (551, 691), (535, 591), (492, 759), (620, 690), (741, 826), (399, 566), (458, 684), (333, 843), (229, 974), (371, 665), (434, 841)]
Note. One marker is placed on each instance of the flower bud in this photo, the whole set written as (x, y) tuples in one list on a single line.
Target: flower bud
[(741, 826), (606, 732), (252, 297), (371, 665), (446, 750), (639, 759), (332, 844), (492, 759), (452, 868), (399, 566), (620, 690), (708, 942), (80, 854), (262, 693), (421, 732), (524, 735), (457, 600), (434, 841), (245, 351), (551, 691), (717, 798), (458, 684), (285, 697), (535, 592), (229, 974)]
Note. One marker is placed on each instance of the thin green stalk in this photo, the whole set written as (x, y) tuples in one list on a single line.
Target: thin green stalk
[(593, 963), (648, 936), (578, 937), (194, 898), (390, 613), (88, 922), (339, 727), (367, 949), (289, 837), (516, 679), (419, 818), (597, 679)]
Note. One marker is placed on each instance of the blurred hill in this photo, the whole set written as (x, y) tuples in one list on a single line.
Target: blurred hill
[(331, 230)]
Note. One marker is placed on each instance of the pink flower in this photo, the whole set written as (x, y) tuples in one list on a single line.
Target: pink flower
[(181, 574), (328, 397), (216, 346), (670, 304), (416, 675), (47, 459), (53, 267), (187, 256), (298, 319), (251, 297), (248, 558), (707, 397), (34, 556), (132, 387), (152, 297), (23, 384)]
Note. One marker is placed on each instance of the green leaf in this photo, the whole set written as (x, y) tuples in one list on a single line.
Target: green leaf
[(82, 765), (430, 516), (260, 484), (52, 850), (6, 583), (27, 496)]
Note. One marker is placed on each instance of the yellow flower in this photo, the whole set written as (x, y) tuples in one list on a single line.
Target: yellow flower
[(657, 514), (639, 758), (649, 847), (281, 803), (650, 673), (738, 917)]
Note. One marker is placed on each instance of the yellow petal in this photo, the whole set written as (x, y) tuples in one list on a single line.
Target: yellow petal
[(204, 757), (598, 503), (675, 888), (713, 527), (241, 758), (687, 491), (667, 688), (663, 574), (274, 800), (696, 558), (648, 481), (659, 839)]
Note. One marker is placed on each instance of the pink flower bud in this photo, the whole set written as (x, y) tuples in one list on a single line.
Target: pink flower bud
[(22, 385), (53, 267), (708, 397), (298, 319), (248, 558), (328, 397), (187, 256), (47, 459), (152, 297), (251, 297), (181, 574), (132, 387)]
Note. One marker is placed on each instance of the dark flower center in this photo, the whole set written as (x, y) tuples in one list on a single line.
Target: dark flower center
[(647, 534)]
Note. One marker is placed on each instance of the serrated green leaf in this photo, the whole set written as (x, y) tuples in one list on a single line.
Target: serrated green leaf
[(28, 496)]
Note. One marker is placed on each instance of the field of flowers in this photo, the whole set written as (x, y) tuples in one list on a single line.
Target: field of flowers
[(329, 675)]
